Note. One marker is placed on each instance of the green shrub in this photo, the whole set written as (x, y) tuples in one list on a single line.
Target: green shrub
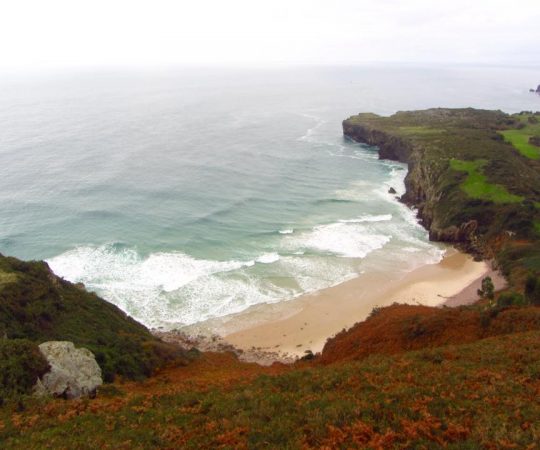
[(511, 299), (21, 364), (532, 290), (488, 289)]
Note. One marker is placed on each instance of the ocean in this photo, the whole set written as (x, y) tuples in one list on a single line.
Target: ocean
[(184, 194)]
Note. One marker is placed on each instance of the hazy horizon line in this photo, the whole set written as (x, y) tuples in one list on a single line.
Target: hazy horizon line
[(264, 65)]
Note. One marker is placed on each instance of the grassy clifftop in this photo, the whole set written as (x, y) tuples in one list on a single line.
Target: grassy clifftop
[(37, 306), (471, 185)]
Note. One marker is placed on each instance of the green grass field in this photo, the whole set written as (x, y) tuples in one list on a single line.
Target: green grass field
[(520, 138), (477, 186)]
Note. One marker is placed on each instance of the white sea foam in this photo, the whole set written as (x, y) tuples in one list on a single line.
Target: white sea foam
[(341, 152), (268, 258), (166, 271), (316, 272), (286, 231), (151, 288), (349, 240), (356, 191), (174, 289), (368, 218), (311, 131)]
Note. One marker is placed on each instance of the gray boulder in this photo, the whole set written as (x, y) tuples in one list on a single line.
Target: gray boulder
[(74, 371)]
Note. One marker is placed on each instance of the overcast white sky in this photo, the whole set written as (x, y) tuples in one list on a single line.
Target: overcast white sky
[(45, 33)]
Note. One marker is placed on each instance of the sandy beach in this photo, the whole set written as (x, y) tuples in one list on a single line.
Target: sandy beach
[(290, 328)]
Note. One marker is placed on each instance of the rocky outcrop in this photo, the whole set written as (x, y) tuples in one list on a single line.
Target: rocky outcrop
[(390, 147), (463, 233), (74, 371), (534, 140)]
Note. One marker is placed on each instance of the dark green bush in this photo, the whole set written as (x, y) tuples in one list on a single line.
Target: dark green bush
[(21, 364), (511, 299), (532, 290), (487, 290)]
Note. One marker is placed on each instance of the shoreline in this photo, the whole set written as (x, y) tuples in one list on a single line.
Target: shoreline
[(284, 331)]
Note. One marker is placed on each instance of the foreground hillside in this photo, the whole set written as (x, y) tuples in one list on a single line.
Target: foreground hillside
[(479, 395), (399, 328), (38, 306), (408, 377)]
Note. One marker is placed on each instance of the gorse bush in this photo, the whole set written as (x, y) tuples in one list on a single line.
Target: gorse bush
[(21, 364)]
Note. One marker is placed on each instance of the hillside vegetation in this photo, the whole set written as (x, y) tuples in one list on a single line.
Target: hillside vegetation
[(479, 395), (37, 306), (400, 328)]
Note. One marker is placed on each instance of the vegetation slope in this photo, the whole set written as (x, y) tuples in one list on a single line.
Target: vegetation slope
[(483, 394), (38, 306)]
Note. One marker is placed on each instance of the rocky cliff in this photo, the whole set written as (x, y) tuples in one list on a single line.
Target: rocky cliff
[(453, 208)]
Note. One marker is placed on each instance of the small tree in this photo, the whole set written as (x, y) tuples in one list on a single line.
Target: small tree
[(488, 289)]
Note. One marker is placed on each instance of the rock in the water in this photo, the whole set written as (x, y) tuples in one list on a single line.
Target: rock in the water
[(74, 371), (392, 191)]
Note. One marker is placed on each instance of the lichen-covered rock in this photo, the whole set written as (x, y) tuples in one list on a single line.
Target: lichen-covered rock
[(74, 371)]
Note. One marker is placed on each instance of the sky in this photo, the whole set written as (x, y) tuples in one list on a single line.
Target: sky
[(60, 33)]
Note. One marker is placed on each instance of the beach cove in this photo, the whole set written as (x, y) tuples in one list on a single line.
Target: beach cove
[(286, 330)]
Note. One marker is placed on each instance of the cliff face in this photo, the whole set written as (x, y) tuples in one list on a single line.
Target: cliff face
[(419, 192), (428, 141), (422, 181)]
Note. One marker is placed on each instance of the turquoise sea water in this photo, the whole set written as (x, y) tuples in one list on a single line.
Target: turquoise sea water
[(185, 194)]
